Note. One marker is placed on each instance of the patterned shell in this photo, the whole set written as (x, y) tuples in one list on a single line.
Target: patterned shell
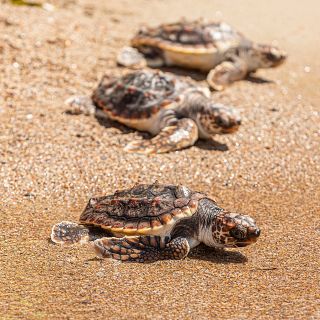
[(143, 209), (138, 94), (190, 34)]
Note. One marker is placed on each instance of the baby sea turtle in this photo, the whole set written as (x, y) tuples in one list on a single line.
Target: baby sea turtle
[(213, 47), (152, 222), (175, 110)]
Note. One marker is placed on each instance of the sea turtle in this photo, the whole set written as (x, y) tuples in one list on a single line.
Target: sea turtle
[(152, 222), (175, 110), (213, 47)]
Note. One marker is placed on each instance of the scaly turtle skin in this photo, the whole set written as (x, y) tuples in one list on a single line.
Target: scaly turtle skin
[(174, 110), (212, 47), (154, 222)]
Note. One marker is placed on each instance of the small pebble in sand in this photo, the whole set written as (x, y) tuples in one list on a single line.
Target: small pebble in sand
[(307, 69)]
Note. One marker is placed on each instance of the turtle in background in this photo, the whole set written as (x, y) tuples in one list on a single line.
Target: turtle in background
[(151, 222), (211, 47), (175, 110)]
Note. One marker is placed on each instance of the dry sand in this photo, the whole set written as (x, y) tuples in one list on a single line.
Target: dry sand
[(51, 163)]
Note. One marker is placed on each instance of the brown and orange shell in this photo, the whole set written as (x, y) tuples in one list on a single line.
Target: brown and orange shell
[(143, 209), (196, 36), (138, 95)]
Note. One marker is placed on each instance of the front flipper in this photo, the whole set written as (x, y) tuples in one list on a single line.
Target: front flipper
[(226, 73), (142, 248), (183, 133)]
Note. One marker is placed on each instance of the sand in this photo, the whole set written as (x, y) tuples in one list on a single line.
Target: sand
[(51, 163)]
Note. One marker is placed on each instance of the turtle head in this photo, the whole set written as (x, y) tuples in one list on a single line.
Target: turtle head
[(266, 56), (234, 230), (218, 119)]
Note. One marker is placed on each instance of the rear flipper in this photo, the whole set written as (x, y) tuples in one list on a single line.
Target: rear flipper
[(67, 232), (226, 73), (142, 248), (182, 134), (131, 58), (80, 105)]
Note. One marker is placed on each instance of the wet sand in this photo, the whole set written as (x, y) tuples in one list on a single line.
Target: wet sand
[(51, 163)]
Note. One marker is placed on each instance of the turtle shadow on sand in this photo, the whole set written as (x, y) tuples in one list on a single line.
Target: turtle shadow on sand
[(211, 145), (192, 73), (216, 255), (204, 253), (108, 123), (257, 79), (201, 76), (201, 253), (201, 144)]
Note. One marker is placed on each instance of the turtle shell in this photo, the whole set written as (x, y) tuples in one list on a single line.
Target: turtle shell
[(143, 209), (190, 36), (138, 95)]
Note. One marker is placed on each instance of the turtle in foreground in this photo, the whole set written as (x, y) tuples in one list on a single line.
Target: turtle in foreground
[(152, 222), (213, 47), (174, 110)]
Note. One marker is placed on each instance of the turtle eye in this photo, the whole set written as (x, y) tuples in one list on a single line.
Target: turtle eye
[(239, 232), (272, 57), (220, 122)]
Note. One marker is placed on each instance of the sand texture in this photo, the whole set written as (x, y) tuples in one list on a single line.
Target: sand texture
[(51, 163)]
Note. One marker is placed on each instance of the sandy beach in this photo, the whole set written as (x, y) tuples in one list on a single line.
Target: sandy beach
[(51, 163)]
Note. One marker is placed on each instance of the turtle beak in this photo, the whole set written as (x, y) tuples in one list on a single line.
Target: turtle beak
[(252, 238), (282, 56), (233, 127), (276, 57)]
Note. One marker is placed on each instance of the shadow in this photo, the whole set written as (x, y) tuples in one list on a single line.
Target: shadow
[(202, 76), (193, 74), (211, 145), (108, 123), (215, 255), (105, 122), (50, 241), (202, 252), (96, 232), (256, 79)]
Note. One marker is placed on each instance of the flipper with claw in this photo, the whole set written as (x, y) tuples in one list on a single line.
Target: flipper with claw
[(183, 133), (226, 73), (142, 248)]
